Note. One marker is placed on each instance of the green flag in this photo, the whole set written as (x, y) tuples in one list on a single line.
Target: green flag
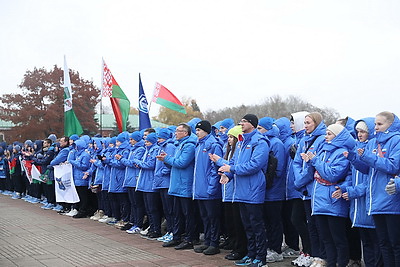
[(71, 122)]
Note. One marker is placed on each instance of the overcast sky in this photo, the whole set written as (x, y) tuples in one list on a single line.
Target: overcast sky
[(339, 54)]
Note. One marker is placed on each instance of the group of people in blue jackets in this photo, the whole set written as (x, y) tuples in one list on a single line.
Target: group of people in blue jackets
[(272, 188)]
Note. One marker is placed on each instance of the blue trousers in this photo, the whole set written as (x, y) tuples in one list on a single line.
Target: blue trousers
[(253, 224), (168, 208), (273, 225), (184, 219), (132, 201), (120, 206), (289, 230), (210, 211), (152, 205), (140, 209), (106, 203), (333, 234), (371, 250), (317, 245), (388, 232)]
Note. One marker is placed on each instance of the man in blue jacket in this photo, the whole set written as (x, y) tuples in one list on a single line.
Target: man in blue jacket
[(206, 187), (246, 171), (182, 167)]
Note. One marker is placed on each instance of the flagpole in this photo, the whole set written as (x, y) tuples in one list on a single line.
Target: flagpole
[(101, 97), (152, 99)]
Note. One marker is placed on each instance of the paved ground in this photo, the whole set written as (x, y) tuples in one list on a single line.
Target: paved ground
[(30, 236)]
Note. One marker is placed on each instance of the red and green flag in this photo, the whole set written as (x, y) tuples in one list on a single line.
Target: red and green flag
[(119, 102), (71, 122), (164, 97)]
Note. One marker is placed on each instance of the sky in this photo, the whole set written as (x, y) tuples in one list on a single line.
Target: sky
[(337, 54)]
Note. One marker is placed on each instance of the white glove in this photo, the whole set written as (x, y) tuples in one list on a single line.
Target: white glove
[(391, 187)]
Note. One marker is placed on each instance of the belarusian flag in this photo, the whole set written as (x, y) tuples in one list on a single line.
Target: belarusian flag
[(71, 122), (164, 97), (119, 102)]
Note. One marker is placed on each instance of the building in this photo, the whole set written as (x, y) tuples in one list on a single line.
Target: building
[(107, 125)]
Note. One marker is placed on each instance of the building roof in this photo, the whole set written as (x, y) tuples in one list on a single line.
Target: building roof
[(108, 122)]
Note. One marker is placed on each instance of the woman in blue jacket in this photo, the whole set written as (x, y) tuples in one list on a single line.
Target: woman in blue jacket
[(312, 141), (162, 179), (107, 156), (331, 170), (236, 236), (382, 155), (145, 184), (80, 164), (131, 174), (357, 192), (118, 193)]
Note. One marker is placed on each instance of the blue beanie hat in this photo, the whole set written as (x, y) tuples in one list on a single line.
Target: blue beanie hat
[(52, 137), (266, 122), (227, 123), (164, 133), (136, 136), (152, 138), (113, 139), (121, 137), (17, 148), (74, 137), (29, 143)]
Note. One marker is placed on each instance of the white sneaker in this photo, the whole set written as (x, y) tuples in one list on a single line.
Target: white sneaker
[(72, 212), (290, 253), (134, 230), (94, 215), (144, 232), (306, 261), (99, 215), (318, 262), (105, 219), (273, 256)]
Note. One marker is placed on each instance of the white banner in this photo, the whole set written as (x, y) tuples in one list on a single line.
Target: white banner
[(64, 184)]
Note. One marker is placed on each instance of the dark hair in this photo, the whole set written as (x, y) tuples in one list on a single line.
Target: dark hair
[(187, 128), (66, 139), (48, 141), (230, 150), (150, 130)]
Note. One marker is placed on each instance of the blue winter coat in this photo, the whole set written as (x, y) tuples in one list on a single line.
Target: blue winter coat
[(247, 168), (277, 191), (162, 173), (182, 163), (206, 184), (357, 191), (147, 166), (304, 173), (132, 170), (80, 163), (291, 191), (117, 174), (333, 167), (109, 153), (382, 169)]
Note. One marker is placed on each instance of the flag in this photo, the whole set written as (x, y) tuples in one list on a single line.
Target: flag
[(71, 122), (144, 119), (36, 173), (27, 166), (64, 184), (119, 102), (164, 97)]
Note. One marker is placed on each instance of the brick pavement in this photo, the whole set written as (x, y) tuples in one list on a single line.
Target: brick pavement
[(31, 236)]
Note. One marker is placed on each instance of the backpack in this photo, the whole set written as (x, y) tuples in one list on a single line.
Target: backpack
[(272, 166)]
